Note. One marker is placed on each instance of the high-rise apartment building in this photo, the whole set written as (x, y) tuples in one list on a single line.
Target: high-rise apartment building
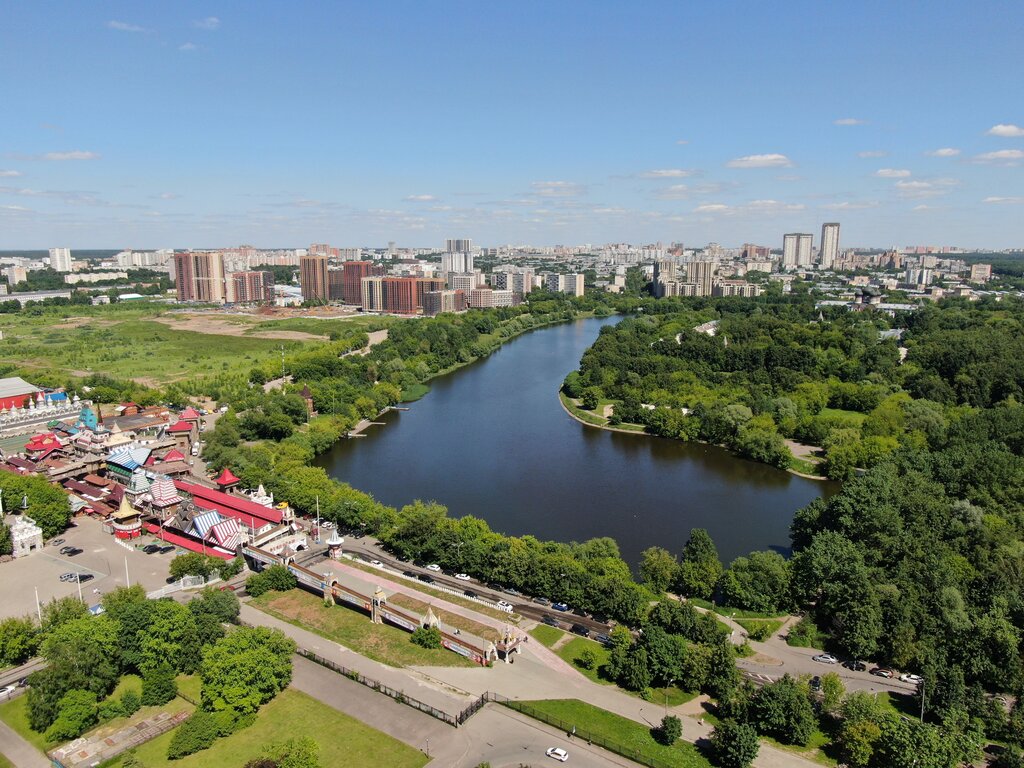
[(756, 252), (463, 281), (796, 250), (981, 273), (829, 252), (481, 298), (352, 280), (702, 274), (313, 279), (60, 259), (401, 295), (250, 287), (436, 302), (571, 283), (335, 284), (459, 245), (322, 249), (458, 261), (200, 276), (520, 281)]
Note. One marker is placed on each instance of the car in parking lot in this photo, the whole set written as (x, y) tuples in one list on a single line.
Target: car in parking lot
[(68, 576), (558, 754), (882, 672), (504, 605), (560, 606), (57, 542), (825, 658), (434, 567), (856, 666), (463, 577), (84, 577), (167, 548), (70, 551), (551, 621), (579, 629), (151, 549), (906, 677)]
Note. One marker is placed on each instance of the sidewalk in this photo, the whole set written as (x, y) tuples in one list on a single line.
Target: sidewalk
[(19, 751)]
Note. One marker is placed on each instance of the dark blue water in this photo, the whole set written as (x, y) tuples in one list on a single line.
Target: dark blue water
[(492, 440)]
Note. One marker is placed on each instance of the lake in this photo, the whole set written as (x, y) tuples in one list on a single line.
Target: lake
[(493, 440)]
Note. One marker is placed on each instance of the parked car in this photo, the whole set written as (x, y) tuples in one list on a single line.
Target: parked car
[(856, 666), (167, 548), (560, 606), (882, 672), (551, 621), (602, 639), (8, 690), (426, 578), (65, 550), (67, 577), (558, 754), (84, 577), (579, 629), (57, 542), (470, 593), (463, 577), (541, 601), (70, 551), (512, 591), (410, 574), (825, 658), (503, 605), (906, 677), (376, 563), (434, 567), (151, 549)]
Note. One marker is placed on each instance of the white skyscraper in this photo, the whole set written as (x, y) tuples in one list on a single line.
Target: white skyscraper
[(796, 250), (829, 244), (60, 259)]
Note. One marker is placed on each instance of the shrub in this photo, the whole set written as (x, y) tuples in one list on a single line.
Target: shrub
[(276, 577), (109, 709), (669, 731), (76, 712), (195, 734), (587, 659), (734, 745), (158, 685), (428, 637), (760, 631), (131, 702), (803, 634)]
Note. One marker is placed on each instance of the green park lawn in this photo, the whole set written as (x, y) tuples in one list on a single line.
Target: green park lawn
[(546, 635), (15, 712), (732, 613), (353, 629), (342, 739), (766, 626), (5, 763), (601, 725)]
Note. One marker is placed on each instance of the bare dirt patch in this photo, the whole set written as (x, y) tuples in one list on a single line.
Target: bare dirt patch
[(218, 325)]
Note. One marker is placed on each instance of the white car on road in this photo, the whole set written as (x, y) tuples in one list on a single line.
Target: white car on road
[(906, 677), (463, 577), (825, 658), (376, 563), (433, 567), (558, 753), (503, 605)]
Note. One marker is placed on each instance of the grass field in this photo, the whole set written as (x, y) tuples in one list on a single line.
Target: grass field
[(732, 613), (546, 635), (5, 763), (353, 629), (854, 418), (342, 739), (591, 721), (763, 628)]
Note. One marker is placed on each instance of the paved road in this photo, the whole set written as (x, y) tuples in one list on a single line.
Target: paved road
[(19, 751)]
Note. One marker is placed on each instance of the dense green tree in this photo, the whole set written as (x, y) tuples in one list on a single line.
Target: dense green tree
[(782, 710), (302, 752), (77, 712), (734, 745), (668, 731), (158, 684), (245, 669), (18, 640), (758, 582), (657, 569), (699, 566)]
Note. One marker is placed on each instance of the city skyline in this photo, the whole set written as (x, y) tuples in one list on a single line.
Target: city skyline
[(210, 125)]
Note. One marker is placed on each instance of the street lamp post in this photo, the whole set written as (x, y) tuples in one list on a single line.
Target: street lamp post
[(669, 685)]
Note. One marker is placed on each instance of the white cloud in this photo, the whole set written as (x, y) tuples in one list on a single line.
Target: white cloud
[(944, 152), (711, 208), (760, 161), (919, 189), (167, 196), (557, 188), (849, 121), (892, 173), (1007, 131), (851, 206), (1004, 200), (923, 207), (209, 23), (1001, 157), (9, 174), (872, 153), (16, 208), (188, 47), (753, 207), (123, 26), (73, 155), (674, 192), (668, 173), (683, 141), (420, 198)]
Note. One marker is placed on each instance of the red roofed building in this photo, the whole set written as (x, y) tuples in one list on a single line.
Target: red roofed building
[(184, 434), (42, 445), (174, 455), (227, 480), (253, 516), (192, 415)]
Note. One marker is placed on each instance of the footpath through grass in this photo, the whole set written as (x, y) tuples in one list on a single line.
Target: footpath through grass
[(292, 715), (620, 734), (353, 629), (732, 613)]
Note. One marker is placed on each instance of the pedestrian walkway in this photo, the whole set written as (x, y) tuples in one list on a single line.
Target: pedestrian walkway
[(18, 751)]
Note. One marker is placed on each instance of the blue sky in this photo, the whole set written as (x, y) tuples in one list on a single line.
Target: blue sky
[(279, 124)]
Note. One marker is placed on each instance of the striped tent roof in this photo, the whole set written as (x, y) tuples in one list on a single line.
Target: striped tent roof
[(164, 492), (129, 457), (227, 533), (201, 524)]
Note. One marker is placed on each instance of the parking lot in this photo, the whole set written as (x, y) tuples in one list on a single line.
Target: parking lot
[(101, 557)]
